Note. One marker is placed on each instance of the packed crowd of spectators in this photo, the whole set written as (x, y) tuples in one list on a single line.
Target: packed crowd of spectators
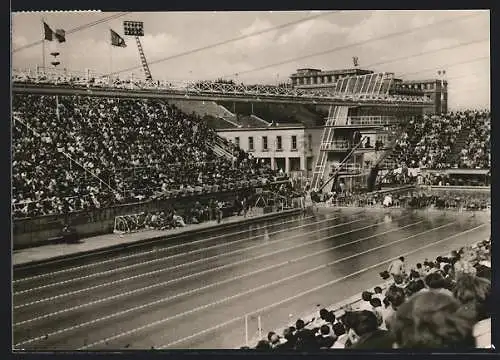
[(434, 179), (477, 149), (81, 152), (212, 210), (442, 303), (430, 142), (414, 199)]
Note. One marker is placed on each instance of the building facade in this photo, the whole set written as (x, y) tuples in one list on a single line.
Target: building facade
[(292, 149), (311, 78), (436, 89)]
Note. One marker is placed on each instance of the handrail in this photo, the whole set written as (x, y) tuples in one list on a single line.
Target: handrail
[(342, 163), (371, 120), (204, 87)]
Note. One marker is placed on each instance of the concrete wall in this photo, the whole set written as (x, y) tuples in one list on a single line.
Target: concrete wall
[(30, 232)]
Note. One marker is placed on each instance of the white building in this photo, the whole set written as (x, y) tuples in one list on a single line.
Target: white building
[(292, 148)]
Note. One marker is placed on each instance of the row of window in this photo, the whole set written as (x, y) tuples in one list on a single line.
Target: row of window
[(428, 86), (329, 79), (278, 143), (319, 79)]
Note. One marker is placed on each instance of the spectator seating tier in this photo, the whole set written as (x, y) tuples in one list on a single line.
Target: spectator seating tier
[(77, 152)]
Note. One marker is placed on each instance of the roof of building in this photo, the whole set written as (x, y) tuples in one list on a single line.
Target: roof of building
[(424, 81), (305, 72)]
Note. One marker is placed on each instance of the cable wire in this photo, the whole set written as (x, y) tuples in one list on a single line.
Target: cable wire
[(446, 66), (347, 46), (225, 42), (427, 52), (78, 28)]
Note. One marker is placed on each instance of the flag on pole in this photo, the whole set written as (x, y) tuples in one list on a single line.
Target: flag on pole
[(117, 40), (60, 35), (48, 33)]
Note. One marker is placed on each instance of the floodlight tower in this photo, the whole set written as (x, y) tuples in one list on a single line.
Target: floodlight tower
[(136, 29)]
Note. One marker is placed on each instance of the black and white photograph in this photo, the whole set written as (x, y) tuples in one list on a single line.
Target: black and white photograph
[(262, 181)]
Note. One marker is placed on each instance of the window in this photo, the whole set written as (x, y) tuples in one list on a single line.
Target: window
[(237, 141), (310, 141), (294, 142), (250, 143), (278, 143), (264, 143)]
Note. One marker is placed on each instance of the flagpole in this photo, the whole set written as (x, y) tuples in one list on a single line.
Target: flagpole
[(110, 54), (43, 44)]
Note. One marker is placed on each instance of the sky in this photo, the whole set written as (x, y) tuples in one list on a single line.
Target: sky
[(411, 44)]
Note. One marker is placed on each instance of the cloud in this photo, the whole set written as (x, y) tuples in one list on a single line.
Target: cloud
[(257, 41), (90, 49), (160, 45), (439, 43), (382, 23), (19, 41), (27, 57), (378, 24), (308, 30)]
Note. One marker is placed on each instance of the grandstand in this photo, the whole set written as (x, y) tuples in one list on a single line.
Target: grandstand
[(237, 212), (129, 164)]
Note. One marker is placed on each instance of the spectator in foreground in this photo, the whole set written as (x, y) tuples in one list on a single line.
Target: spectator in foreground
[(473, 293), (325, 339), (377, 293), (263, 345), (327, 316), (290, 338), (274, 341), (396, 297), (420, 270), (306, 339), (432, 320), (369, 335), (436, 282), (366, 297), (341, 335), (376, 308), (397, 269), (463, 264)]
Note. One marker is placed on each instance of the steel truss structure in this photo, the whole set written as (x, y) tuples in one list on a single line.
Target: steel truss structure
[(360, 89)]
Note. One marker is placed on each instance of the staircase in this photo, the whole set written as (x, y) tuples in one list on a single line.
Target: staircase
[(221, 149), (390, 159), (335, 114), (262, 121), (206, 108), (461, 140)]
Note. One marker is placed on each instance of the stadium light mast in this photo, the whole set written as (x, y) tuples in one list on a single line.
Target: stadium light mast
[(442, 77), (136, 29)]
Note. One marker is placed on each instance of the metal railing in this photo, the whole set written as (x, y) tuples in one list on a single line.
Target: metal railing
[(347, 167), (336, 145), (372, 120), (91, 79)]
